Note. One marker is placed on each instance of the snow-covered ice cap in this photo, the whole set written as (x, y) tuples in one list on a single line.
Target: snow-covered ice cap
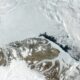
[(18, 70), (6, 5)]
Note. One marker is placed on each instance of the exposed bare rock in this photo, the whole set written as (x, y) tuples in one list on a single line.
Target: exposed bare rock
[(2, 58), (37, 52), (40, 55)]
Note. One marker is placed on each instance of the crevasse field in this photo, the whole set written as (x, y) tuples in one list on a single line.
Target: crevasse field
[(21, 19)]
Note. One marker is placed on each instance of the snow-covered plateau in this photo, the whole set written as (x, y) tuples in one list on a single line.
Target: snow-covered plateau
[(39, 40)]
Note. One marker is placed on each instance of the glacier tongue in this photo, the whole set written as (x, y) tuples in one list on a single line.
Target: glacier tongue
[(73, 73)]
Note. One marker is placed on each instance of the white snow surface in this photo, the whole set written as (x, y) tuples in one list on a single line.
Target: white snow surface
[(65, 13), (25, 53), (20, 19), (18, 70)]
